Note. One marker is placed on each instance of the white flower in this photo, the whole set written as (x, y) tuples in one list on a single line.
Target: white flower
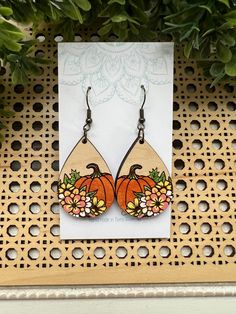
[(150, 213), (89, 204), (144, 210), (87, 210)]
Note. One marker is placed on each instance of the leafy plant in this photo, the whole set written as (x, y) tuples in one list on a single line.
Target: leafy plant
[(206, 28), (208, 31), (4, 113)]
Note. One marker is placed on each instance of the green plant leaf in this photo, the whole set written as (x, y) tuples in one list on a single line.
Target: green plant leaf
[(223, 52), (216, 69), (6, 113), (230, 67), (72, 11), (6, 11), (11, 45), (121, 2), (226, 2), (19, 76), (218, 78), (227, 39), (231, 17), (1, 137), (105, 29), (83, 4), (134, 29), (119, 18), (205, 7), (188, 48)]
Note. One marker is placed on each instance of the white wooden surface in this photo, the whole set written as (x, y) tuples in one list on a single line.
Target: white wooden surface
[(209, 305)]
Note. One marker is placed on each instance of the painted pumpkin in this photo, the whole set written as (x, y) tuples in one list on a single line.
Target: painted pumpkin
[(127, 185), (101, 183)]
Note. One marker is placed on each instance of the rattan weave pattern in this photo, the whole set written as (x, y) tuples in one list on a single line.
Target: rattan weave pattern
[(202, 244)]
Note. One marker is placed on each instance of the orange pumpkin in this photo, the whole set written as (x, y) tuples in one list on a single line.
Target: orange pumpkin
[(101, 183), (127, 185)]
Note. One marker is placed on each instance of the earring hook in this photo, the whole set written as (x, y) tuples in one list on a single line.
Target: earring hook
[(88, 89), (144, 95), (141, 121), (88, 121)]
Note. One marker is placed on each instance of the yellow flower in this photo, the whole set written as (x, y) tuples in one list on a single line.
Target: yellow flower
[(65, 190), (133, 205), (98, 207), (165, 186), (136, 208)]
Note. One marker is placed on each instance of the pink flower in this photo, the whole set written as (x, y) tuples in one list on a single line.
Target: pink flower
[(157, 203), (74, 203)]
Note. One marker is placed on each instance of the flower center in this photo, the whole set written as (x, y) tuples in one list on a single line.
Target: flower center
[(157, 203)]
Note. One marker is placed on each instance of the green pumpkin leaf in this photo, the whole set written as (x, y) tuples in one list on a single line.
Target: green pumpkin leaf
[(154, 175), (83, 189), (66, 179), (139, 195), (147, 188), (74, 176), (91, 194), (162, 177)]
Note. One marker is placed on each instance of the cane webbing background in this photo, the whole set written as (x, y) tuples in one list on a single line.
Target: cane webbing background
[(202, 244)]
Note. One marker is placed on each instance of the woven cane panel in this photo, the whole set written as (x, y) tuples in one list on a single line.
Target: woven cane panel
[(202, 244)]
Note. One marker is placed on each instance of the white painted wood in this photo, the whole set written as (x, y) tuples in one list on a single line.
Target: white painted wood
[(178, 305)]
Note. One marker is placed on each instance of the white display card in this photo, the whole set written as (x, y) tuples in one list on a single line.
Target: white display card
[(115, 72)]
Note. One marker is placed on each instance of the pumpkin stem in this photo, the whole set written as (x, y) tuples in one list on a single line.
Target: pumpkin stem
[(96, 171), (132, 174)]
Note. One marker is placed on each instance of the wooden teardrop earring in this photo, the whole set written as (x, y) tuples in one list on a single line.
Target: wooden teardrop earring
[(83, 194), (143, 184)]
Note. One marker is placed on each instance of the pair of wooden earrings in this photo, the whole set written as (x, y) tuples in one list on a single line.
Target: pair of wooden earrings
[(143, 187)]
